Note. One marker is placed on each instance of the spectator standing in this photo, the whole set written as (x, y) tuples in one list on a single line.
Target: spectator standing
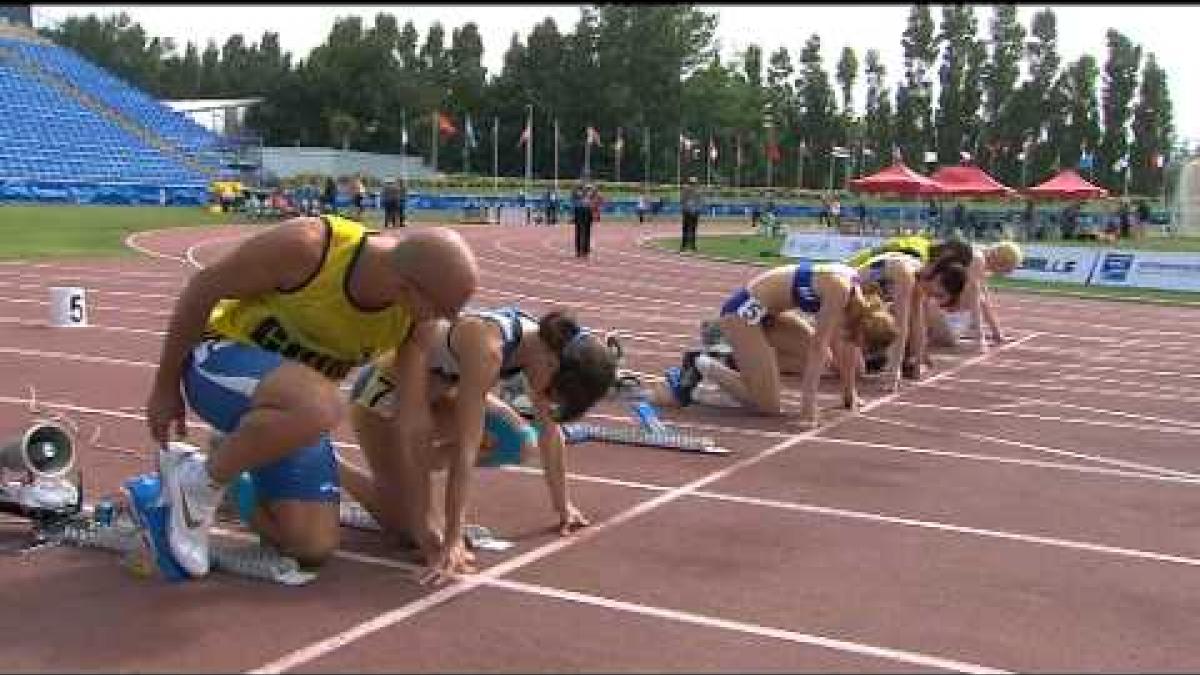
[(358, 191), (595, 202), (1143, 217), (690, 204), (582, 212), (329, 198), (835, 212), (391, 203), (643, 205)]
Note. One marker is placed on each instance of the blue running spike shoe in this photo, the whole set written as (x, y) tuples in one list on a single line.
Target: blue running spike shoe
[(682, 394), (145, 504)]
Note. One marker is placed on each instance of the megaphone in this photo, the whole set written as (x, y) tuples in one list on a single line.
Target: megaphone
[(46, 449)]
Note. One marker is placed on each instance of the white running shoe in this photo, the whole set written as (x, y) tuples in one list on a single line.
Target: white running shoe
[(191, 503)]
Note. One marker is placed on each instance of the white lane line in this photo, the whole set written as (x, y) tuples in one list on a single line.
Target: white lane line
[(1162, 429), (898, 655), (1119, 551), (133, 242), (1025, 400), (1146, 474), (1099, 459), (1116, 392), (323, 647)]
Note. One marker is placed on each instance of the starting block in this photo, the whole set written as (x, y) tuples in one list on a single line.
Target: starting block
[(478, 538), (122, 536), (671, 440)]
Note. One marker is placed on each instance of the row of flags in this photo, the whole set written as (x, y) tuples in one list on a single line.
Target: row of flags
[(1087, 159)]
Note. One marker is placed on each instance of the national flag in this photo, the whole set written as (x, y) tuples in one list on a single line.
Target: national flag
[(1158, 161), (930, 157), (470, 139), (446, 125), (712, 149), (773, 152), (1121, 164), (964, 156), (524, 136), (839, 151), (619, 143), (593, 137)]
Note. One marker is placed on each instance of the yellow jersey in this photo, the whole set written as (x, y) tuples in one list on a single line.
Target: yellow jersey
[(316, 323), (916, 244)]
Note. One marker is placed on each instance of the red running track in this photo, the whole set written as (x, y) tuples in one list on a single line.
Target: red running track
[(1031, 510)]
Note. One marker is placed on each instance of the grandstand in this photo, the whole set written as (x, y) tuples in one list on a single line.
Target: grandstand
[(72, 130)]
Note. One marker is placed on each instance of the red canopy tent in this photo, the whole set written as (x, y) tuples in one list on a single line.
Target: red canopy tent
[(897, 179), (969, 180), (1067, 185)]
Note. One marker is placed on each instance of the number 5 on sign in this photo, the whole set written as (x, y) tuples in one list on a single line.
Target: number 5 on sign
[(68, 307)]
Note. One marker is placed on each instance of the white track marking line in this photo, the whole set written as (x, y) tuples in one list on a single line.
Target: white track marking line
[(1162, 429), (321, 648), (1099, 459), (958, 529), (1026, 400), (132, 241), (1146, 472), (1149, 473), (862, 649), (1078, 390)]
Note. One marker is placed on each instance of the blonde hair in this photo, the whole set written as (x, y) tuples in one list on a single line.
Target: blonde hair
[(867, 317), (1007, 255)]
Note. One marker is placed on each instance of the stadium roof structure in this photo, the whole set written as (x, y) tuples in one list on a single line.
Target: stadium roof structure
[(897, 179), (968, 180), (1068, 184)]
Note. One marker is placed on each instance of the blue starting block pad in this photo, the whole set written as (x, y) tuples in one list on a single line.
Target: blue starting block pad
[(671, 440)]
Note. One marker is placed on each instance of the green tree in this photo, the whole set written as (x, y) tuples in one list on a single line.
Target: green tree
[(1153, 130), (879, 133), (999, 79), (914, 98), (1081, 130), (954, 114), (1120, 84), (817, 113)]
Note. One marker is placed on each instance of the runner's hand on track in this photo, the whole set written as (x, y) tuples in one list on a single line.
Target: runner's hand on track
[(164, 407), (454, 560), (572, 520)]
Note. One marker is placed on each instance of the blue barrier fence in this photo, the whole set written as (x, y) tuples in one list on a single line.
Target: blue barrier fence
[(122, 194), (132, 194)]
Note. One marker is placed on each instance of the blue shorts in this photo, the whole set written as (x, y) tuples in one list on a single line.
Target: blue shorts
[(219, 380), (747, 307)]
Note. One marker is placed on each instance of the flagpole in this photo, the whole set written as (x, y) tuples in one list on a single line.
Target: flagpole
[(496, 156), (404, 146), (645, 154), (528, 148), (556, 155), (466, 142), (679, 162), (618, 147), (587, 154), (737, 166), (708, 163), (433, 133)]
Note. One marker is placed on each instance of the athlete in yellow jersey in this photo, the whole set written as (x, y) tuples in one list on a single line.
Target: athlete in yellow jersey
[(258, 342)]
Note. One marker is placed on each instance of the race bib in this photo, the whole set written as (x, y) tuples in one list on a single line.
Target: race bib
[(751, 311), (373, 390)]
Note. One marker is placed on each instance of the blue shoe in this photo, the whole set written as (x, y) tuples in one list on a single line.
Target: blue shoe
[(145, 504), (682, 394)]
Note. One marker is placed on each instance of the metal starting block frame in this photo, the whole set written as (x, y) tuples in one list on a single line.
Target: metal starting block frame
[(479, 538), (671, 440), (249, 560)]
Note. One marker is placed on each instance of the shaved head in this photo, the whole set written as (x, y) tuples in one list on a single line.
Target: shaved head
[(439, 263)]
